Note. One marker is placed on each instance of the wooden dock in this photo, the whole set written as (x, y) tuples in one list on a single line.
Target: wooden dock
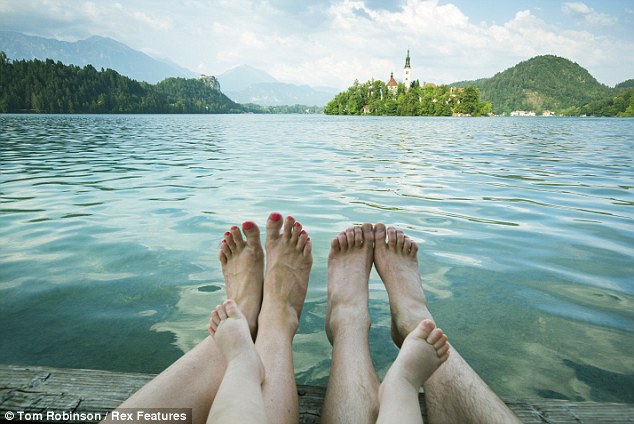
[(40, 389)]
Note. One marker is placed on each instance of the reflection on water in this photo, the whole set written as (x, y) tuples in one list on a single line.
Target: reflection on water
[(109, 228)]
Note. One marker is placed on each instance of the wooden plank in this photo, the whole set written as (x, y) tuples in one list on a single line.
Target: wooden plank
[(41, 389)]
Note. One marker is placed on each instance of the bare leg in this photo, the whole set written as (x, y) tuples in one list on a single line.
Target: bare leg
[(193, 380), (423, 351), (288, 263), (455, 393), (352, 393), (239, 398)]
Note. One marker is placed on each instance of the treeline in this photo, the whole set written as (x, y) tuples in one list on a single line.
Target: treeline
[(282, 109), (541, 83), (51, 87), (374, 98), (619, 106)]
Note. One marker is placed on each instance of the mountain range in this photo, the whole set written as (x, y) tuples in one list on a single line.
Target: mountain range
[(243, 84), (99, 52)]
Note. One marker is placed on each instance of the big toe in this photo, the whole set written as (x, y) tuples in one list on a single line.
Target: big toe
[(379, 235), (423, 329), (368, 233), (232, 310), (252, 233), (273, 226)]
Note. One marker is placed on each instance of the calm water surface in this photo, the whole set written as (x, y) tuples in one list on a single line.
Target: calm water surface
[(110, 225)]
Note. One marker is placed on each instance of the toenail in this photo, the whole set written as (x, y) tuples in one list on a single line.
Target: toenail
[(303, 232), (247, 225), (224, 241), (275, 216), (235, 227), (297, 224), (227, 233)]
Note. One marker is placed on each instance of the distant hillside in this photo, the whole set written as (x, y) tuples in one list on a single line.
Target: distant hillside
[(541, 83), (625, 84), (36, 86), (246, 84), (99, 52)]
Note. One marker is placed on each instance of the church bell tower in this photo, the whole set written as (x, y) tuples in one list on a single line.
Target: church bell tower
[(407, 73)]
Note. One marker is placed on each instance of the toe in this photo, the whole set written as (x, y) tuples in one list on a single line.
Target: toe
[(358, 237), (273, 226), (343, 241), (414, 249), (400, 240), (434, 336), (443, 350), (368, 234), (424, 329), (350, 237), (301, 242), (221, 312), (222, 255), (391, 237), (308, 248), (295, 232), (231, 244), (288, 227), (231, 308), (252, 233), (237, 237), (441, 342), (334, 245)]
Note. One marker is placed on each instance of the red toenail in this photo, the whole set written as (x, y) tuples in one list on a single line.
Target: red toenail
[(235, 227), (247, 225), (224, 241), (297, 224), (288, 218), (275, 216), (227, 233), (303, 232)]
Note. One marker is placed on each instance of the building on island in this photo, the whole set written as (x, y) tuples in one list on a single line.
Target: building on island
[(407, 73), (392, 85)]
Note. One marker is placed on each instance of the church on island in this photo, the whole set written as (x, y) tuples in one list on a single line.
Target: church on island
[(392, 85)]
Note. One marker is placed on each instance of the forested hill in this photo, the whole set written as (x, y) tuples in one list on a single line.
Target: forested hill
[(52, 87), (541, 83)]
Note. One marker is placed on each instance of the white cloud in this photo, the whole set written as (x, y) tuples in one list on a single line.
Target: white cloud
[(589, 15), (335, 42)]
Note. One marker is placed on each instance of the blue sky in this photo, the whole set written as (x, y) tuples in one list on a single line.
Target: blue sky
[(332, 43)]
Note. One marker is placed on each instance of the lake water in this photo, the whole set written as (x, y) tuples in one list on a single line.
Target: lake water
[(110, 226)]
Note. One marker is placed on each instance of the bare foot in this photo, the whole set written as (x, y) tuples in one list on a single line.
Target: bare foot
[(230, 330), (349, 265), (397, 264), (423, 351), (288, 262), (243, 269)]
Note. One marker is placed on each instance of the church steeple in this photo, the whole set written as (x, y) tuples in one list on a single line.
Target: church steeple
[(407, 72)]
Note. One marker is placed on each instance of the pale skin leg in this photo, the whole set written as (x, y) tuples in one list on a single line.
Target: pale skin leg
[(454, 393), (239, 398), (352, 393), (193, 380), (422, 352), (288, 263)]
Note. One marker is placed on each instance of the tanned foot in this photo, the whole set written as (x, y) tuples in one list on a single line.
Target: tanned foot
[(243, 268), (397, 264), (349, 265), (288, 262), (422, 352), (230, 330)]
